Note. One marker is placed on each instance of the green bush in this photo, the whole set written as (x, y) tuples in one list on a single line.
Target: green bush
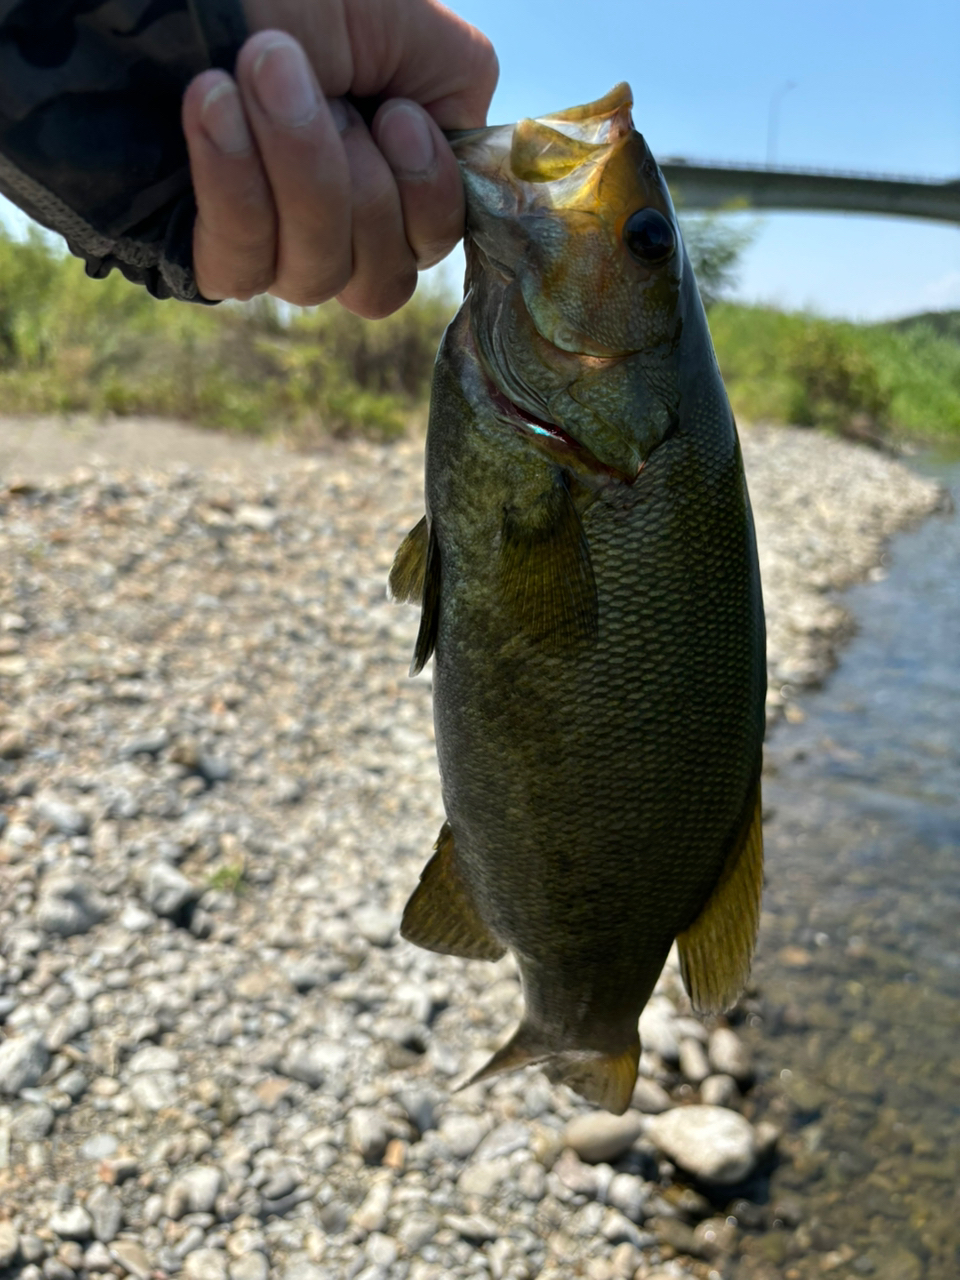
[(68, 344)]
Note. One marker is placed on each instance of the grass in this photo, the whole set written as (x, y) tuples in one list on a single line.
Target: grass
[(902, 378), (68, 344)]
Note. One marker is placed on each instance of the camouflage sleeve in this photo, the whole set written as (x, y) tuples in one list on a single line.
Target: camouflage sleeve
[(90, 139)]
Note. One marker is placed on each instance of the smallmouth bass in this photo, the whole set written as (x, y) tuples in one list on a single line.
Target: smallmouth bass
[(588, 580)]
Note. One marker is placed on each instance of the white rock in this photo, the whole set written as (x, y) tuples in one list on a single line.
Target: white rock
[(23, 1060), (629, 1194), (485, 1178), (252, 1266), (73, 1223), (599, 1136), (650, 1097), (154, 1057), (166, 890), (313, 1062), (729, 1055), (710, 1142), (657, 1030), (106, 1211), (9, 1243), (461, 1135), (62, 816), (205, 1264), (719, 1091), (70, 904), (369, 1133), (693, 1060), (251, 516)]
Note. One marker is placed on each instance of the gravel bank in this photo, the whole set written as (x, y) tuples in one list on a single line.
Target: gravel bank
[(217, 788)]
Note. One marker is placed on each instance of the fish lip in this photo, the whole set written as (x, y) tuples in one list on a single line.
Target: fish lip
[(552, 438)]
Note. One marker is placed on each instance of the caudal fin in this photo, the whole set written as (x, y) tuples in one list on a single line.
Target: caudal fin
[(605, 1079)]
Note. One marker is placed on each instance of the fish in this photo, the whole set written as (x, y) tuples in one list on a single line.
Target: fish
[(587, 575)]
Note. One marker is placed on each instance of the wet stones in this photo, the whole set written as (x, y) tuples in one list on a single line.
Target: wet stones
[(713, 1143)]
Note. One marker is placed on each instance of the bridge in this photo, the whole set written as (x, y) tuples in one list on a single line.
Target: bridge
[(699, 185)]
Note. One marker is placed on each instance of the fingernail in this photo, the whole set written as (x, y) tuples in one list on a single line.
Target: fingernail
[(223, 120), (340, 114), (405, 139), (284, 84)]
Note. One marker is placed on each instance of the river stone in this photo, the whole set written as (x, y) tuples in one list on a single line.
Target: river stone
[(650, 1097), (693, 1060), (133, 1258), (73, 1223), (369, 1133), (629, 1194), (65, 818), (205, 1264), (23, 1060), (719, 1091), (712, 1143), (599, 1136), (32, 1122), (9, 1243), (729, 1055), (106, 1212), (70, 904), (252, 1266), (166, 891)]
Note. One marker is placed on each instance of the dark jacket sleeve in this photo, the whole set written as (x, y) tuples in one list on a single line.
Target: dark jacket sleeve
[(91, 144)]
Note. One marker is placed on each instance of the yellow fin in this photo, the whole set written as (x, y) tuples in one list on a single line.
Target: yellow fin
[(440, 915), (409, 570), (605, 1079), (546, 577), (620, 96), (429, 607), (716, 950)]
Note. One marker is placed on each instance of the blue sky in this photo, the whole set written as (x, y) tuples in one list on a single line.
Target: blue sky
[(877, 89)]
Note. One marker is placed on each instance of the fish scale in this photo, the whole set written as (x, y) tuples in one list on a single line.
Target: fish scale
[(589, 590)]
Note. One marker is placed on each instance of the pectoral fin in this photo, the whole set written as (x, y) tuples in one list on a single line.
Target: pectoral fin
[(546, 577), (409, 570), (716, 950), (605, 1079), (441, 916)]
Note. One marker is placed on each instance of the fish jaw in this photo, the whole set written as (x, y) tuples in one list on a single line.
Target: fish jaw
[(570, 325)]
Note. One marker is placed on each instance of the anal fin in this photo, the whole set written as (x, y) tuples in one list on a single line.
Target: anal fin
[(605, 1079), (441, 916), (716, 950)]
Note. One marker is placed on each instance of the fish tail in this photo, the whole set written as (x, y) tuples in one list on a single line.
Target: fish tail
[(603, 1078)]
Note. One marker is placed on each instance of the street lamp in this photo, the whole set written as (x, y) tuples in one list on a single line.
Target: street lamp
[(773, 118)]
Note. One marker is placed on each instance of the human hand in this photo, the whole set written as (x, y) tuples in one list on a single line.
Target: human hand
[(295, 195)]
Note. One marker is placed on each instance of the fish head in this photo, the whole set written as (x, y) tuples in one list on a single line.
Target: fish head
[(578, 282)]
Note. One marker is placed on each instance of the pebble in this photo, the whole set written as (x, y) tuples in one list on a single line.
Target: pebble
[(693, 1060), (166, 891), (259, 789), (70, 904), (729, 1055), (205, 1264), (712, 1143), (9, 1244), (598, 1136), (650, 1097), (719, 1091), (73, 1223), (252, 1266), (369, 1134), (106, 1213), (23, 1060)]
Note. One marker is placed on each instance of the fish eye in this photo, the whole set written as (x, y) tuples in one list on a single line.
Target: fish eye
[(649, 237)]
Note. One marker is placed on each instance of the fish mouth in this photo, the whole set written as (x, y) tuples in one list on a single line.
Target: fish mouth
[(555, 442)]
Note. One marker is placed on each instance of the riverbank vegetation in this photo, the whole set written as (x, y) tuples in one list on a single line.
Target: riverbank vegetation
[(69, 345)]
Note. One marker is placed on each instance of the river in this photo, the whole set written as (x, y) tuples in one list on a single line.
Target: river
[(858, 1017)]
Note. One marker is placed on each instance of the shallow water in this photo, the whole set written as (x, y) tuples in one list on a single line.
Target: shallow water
[(859, 961)]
